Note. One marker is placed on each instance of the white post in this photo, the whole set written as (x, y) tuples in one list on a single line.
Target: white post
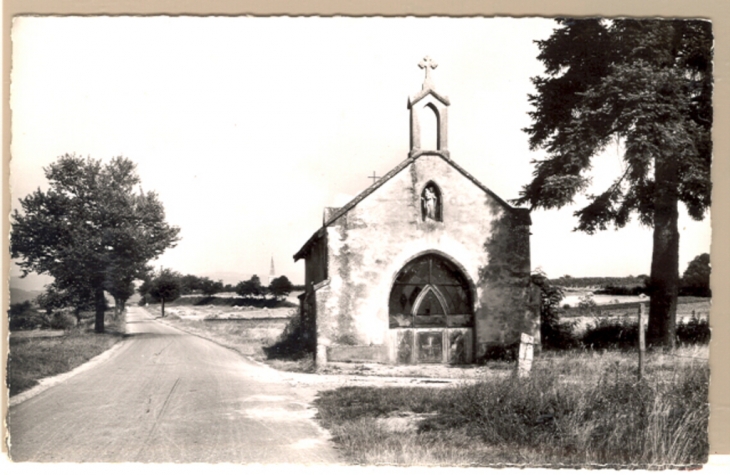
[(524, 362), (321, 357)]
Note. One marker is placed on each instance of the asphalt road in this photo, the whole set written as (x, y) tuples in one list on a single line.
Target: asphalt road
[(167, 396)]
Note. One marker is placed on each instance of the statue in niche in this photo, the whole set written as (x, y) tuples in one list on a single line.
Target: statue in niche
[(430, 204)]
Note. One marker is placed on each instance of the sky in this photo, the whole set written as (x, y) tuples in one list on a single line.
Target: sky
[(248, 127)]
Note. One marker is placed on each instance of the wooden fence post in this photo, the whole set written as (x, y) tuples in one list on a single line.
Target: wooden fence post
[(642, 340), (524, 362)]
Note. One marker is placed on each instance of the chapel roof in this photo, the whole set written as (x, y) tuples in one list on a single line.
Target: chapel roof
[(522, 214)]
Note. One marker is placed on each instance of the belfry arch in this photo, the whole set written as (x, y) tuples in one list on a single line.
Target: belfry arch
[(429, 114), (429, 125)]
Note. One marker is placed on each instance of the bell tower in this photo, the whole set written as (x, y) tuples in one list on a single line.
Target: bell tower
[(426, 106)]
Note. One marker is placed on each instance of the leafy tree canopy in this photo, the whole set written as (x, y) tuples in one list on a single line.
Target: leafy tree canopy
[(210, 287), (250, 288), (164, 287), (280, 286), (648, 85), (189, 283), (52, 299), (696, 279), (93, 229)]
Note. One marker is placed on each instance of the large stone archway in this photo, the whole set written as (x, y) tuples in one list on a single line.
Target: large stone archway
[(431, 312)]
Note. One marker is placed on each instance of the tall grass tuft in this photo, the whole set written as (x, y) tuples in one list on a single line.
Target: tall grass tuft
[(612, 419), (578, 408)]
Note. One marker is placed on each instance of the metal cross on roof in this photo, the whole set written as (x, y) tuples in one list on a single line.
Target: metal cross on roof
[(428, 64), (375, 178)]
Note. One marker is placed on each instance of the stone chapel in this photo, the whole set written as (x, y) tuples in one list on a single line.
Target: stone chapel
[(427, 265)]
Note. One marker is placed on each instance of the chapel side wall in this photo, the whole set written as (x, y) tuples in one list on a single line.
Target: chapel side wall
[(506, 293), (374, 240), (315, 275), (315, 264)]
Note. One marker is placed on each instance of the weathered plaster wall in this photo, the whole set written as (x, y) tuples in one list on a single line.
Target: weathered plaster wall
[(506, 294), (374, 240)]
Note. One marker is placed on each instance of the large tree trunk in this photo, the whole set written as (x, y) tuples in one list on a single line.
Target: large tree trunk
[(163, 307), (100, 302), (665, 257)]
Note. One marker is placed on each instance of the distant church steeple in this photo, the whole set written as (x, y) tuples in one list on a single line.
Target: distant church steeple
[(424, 105), (272, 272)]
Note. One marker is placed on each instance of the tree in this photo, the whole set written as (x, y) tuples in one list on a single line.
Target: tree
[(696, 279), (280, 286), (189, 283), (120, 284), (648, 85), (210, 287), (22, 316), (91, 231), (164, 287), (250, 288), (53, 299)]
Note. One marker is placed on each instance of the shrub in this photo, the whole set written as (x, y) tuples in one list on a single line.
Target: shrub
[(295, 342), (554, 333), (61, 320), (22, 316), (501, 352), (694, 331), (611, 334), (562, 337)]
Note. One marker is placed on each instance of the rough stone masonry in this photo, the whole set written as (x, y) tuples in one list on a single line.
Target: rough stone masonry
[(427, 265)]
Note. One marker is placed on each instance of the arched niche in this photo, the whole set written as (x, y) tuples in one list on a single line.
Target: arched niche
[(432, 203)]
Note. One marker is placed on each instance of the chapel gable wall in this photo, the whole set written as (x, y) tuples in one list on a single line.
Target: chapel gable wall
[(370, 244)]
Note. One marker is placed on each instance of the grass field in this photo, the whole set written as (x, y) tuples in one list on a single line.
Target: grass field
[(576, 409), (247, 331), (248, 337), (32, 359), (685, 307)]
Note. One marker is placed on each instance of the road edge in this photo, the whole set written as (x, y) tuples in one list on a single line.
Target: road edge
[(51, 381)]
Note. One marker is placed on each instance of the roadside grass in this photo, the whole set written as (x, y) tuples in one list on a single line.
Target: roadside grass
[(578, 408), (32, 358)]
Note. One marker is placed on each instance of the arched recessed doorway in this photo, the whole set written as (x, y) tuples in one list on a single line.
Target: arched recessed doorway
[(431, 311)]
